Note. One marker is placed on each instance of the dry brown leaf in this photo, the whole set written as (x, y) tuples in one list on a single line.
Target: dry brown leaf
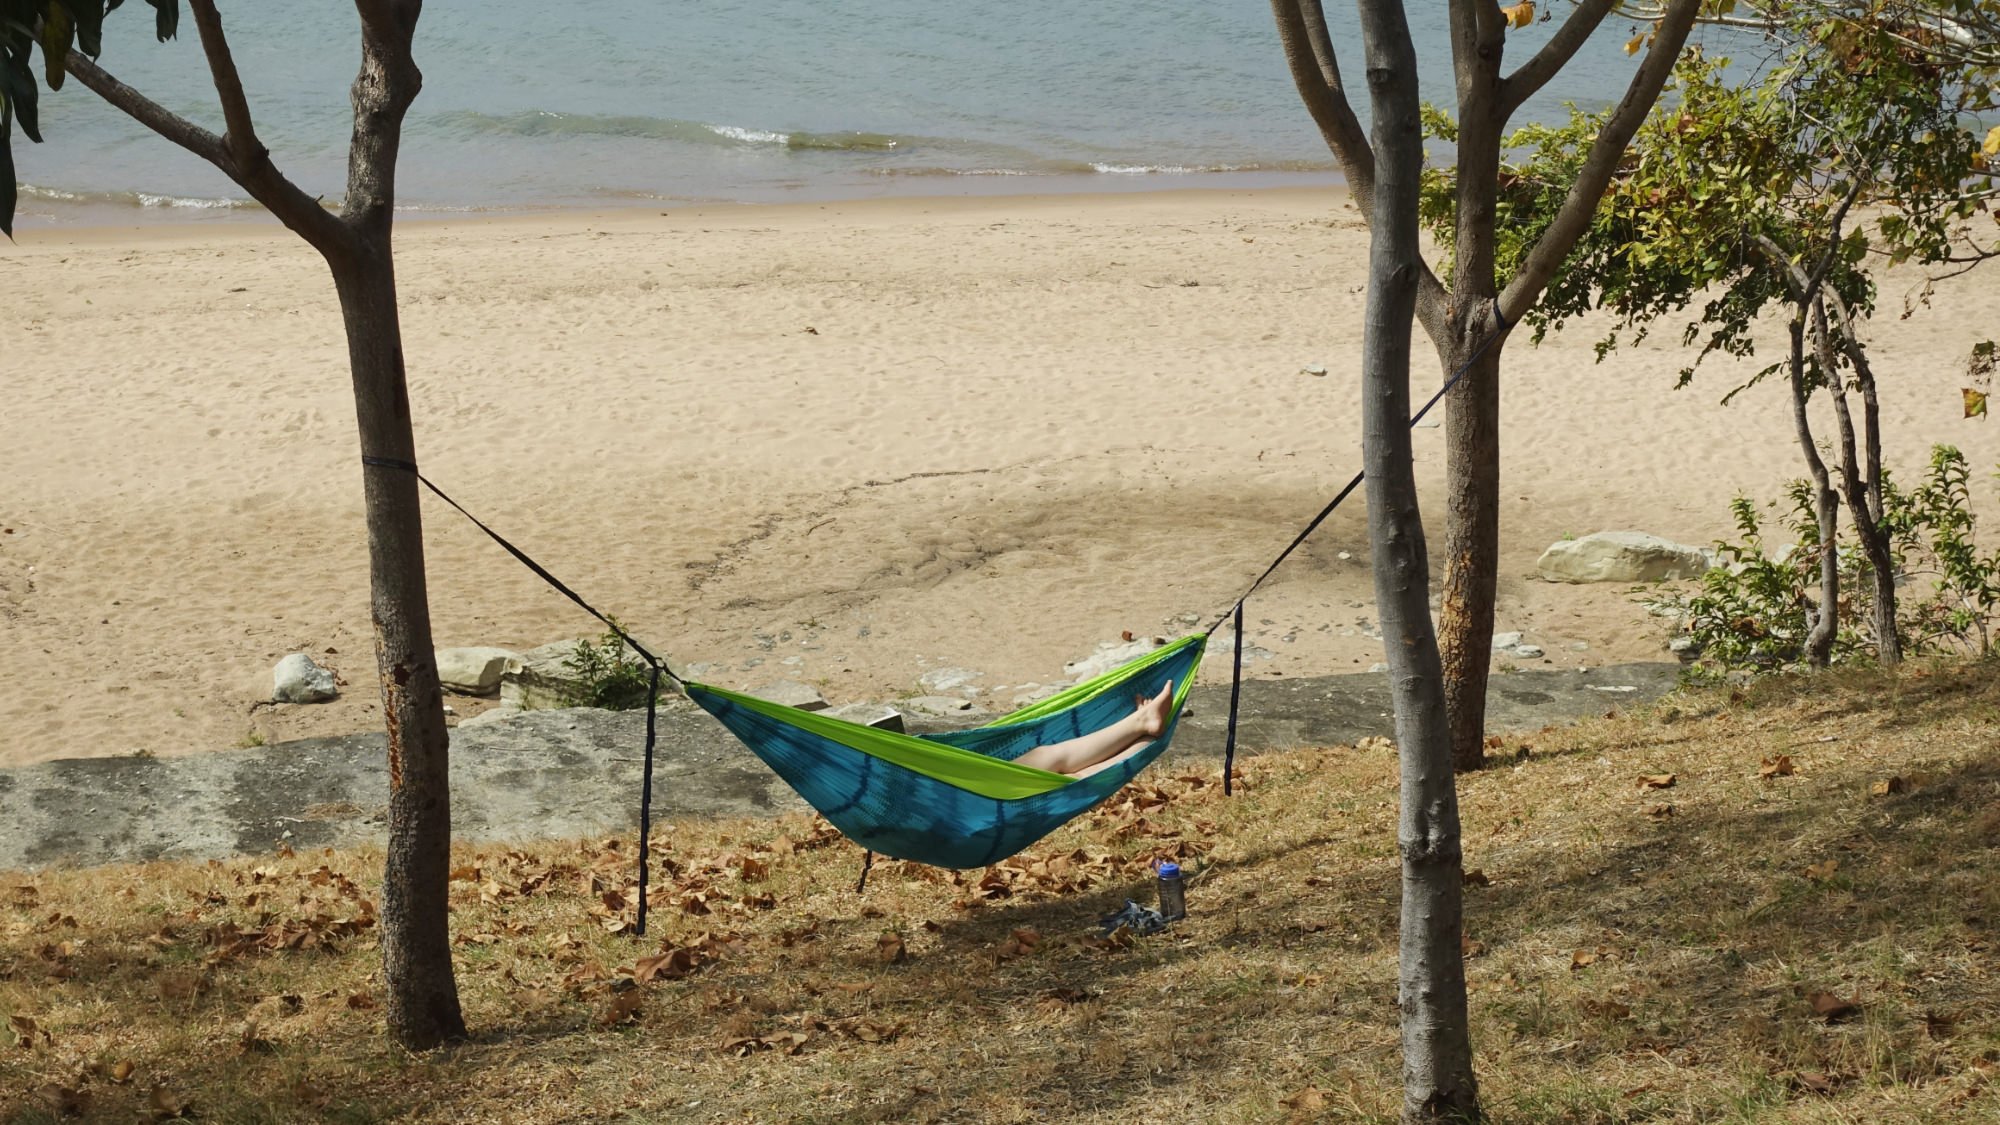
[(163, 1105), (621, 1007), (1607, 1009), (1823, 870), (121, 1071), (1468, 948), (1888, 786), (1832, 1008), (65, 1101), (1582, 958), (1658, 812), (25, 1030), (1656, 781), (1814, 1081), (1311, 1099), (889, 948), (1475, 878), (1780, 766), (361, 1002)]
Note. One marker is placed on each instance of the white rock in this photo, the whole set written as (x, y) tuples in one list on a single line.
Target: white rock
[(791, 693), (1527, 652), (881, 716), (947, 679), (1109, 655), (1378, 666), (297, 679), (1621, 556), (938, 705), (488, 718), (1313, 369), (474, 671), (1506, 640)]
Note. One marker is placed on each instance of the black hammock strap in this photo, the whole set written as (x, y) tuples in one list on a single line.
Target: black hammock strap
[(658, 666), (1236, 611)]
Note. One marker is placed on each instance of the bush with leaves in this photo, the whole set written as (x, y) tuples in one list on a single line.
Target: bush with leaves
[(609, 674), (1751, 612)]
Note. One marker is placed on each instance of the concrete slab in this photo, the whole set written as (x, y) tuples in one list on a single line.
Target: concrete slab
[(568, 773)]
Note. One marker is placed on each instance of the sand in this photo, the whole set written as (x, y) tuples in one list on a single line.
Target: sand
[(845, 444)]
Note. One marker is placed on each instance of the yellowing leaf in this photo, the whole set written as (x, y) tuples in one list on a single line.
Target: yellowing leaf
[(1520, 15), (1633, 44), (1992, 145), (889, 949), (1975, 402)]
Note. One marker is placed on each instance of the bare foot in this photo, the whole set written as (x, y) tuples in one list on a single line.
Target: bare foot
[(1152, 713)]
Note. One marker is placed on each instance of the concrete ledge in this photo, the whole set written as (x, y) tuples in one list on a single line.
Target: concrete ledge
[(557, 774)]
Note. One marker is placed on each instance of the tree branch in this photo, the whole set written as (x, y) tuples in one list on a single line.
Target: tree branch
[(1316, 73), (293, 207), (1555, 54), (241, 135), (1574, 218), (148, 112)]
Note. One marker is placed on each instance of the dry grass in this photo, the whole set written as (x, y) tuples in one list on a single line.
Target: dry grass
[(1628, 963)]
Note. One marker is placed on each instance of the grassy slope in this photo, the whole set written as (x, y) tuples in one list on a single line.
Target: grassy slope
[(1628, 963)]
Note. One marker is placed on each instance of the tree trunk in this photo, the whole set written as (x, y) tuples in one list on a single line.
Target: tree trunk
[(1438, 1082), (1472, 416), (1861, 481), (1823, 625), (423, 1009), (1471, 539), (422, 1005)]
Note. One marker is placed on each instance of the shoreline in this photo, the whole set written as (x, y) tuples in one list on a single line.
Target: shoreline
[(88, 215), (849, 444)]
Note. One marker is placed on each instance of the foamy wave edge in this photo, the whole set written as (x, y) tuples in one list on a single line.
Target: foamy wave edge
[(145, 199)]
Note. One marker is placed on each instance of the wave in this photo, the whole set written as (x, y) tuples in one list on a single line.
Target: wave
[(1103, 168), (145, 199), (545, 123)]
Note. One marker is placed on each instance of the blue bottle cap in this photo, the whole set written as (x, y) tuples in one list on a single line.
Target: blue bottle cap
[(1170, 870)]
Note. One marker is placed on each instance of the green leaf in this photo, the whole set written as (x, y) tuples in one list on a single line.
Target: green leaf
[(88, 17), (167, 18), (58, 31), (7, 189), (17, 82)]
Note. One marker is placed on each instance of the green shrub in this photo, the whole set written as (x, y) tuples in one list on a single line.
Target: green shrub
[(1751, 611), (609, 674)]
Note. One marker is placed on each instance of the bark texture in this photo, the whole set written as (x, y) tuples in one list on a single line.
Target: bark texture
[(1861, 469), (1438, 1082), (423, 1009), (1822, 621)]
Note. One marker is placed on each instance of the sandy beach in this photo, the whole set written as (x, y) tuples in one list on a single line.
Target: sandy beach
[(844, 444)]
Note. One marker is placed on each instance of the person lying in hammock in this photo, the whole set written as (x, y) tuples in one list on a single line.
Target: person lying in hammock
[(1101, 749)]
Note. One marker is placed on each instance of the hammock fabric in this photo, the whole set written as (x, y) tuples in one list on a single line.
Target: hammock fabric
[(956, 799)]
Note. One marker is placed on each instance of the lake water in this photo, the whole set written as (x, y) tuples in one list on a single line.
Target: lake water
[(610, 102)]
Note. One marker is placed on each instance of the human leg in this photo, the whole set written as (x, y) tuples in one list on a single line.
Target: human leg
[(1100, 749)]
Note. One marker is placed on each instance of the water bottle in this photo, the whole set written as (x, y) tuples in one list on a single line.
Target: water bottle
[(1173, 892)]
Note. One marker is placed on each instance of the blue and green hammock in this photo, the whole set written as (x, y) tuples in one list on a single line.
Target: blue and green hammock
[(957, 799)]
